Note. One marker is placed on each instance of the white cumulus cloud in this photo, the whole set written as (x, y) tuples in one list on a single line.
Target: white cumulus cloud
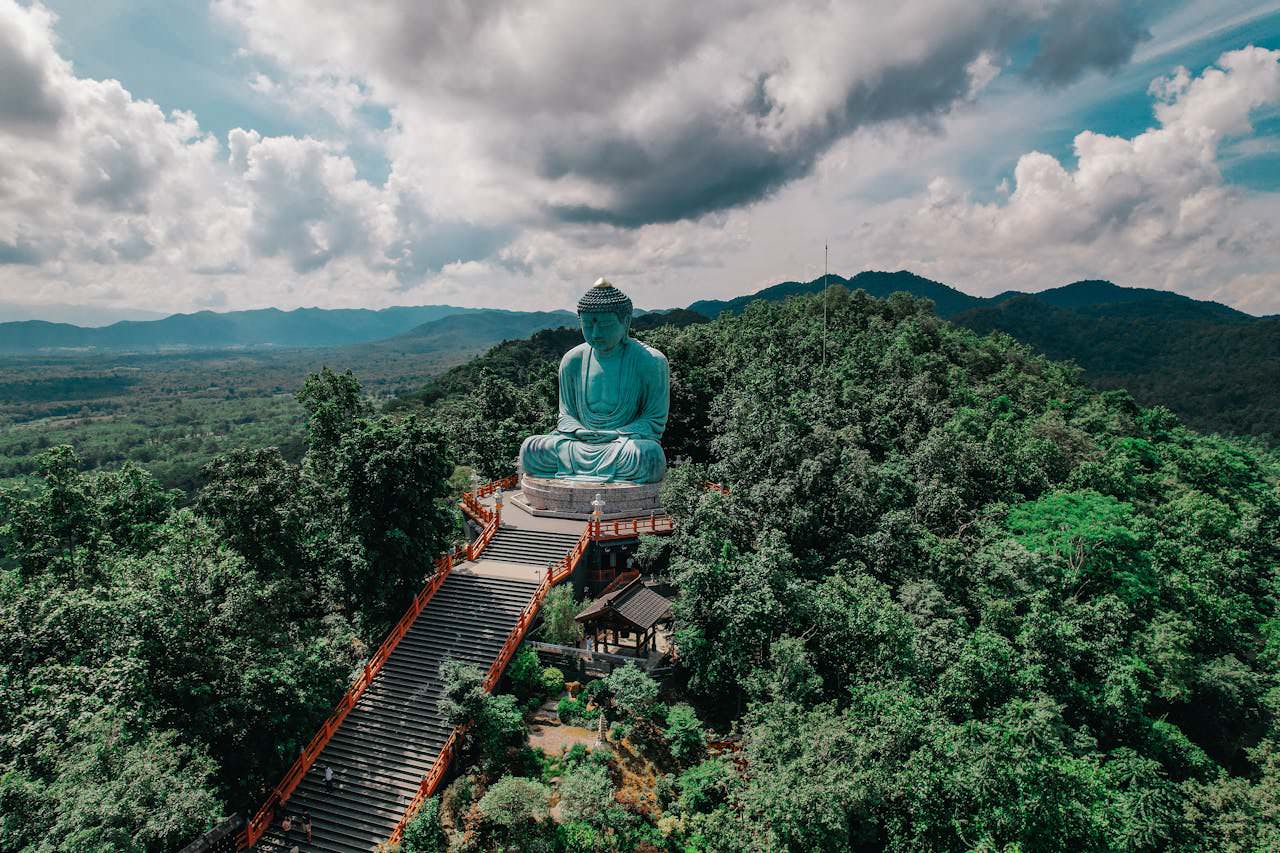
[(1152, 209)]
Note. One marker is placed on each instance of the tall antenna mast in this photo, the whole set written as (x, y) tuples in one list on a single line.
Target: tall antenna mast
[(824, 306)]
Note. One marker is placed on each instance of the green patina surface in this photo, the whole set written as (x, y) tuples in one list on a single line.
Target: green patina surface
[(614, 396)]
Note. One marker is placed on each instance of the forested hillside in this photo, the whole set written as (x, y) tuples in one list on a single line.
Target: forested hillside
[(1217, 368), (952, 600), (172, 413), (161, 666)]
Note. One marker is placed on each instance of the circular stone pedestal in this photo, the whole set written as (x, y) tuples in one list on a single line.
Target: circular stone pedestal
[(572, 498)]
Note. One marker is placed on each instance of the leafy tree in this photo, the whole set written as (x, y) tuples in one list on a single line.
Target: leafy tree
[(558, 612), (518, 807), (586, 795), (632, 692), (791, 675), (334, 405), (1091, 533), (486, 426), (131, 507), (683, 733), (51, 529), (253, 498), (393, 477), (496, 724), (705, 785)]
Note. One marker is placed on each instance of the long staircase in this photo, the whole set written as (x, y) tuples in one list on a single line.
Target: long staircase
[(387, 743), (391, 738)]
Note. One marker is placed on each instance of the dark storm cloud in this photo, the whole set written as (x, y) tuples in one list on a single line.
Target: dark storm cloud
[(1101, 34), (714, 162), (718, 160), (634, 113), (29, 97)]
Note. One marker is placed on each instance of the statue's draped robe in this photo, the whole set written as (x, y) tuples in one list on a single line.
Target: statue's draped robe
[(638, 412)]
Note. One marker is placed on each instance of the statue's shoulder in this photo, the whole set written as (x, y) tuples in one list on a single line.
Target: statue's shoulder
[(574, 356), (649, 352), (650, 355)]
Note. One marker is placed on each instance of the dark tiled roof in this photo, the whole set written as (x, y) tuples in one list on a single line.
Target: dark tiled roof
[(635, 603), (644, 608)]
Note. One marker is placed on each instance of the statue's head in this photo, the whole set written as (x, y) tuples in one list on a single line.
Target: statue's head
[(605, 315)]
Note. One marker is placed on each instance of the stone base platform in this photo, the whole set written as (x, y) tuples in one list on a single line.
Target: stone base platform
[(540, 496)]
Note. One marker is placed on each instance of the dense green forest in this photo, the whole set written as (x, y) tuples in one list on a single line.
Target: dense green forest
[(1219, 371), (953, 600), (160, 666)]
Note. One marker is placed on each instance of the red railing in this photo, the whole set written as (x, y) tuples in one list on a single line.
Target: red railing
[(490, 518), (555, 574), (471, 504), (261, 821), (625, 528), (497, 486)]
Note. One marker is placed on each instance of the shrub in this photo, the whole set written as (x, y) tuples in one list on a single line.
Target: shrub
[(571, 711), (582, 838), (684, 733), (424, 833), (577, 754), (704, 786), (552, 681), (525, 674)]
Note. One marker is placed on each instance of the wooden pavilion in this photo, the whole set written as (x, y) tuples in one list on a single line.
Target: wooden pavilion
[(627, 608)]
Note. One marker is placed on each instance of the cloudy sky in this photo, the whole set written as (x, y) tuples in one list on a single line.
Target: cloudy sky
[(174, 155)]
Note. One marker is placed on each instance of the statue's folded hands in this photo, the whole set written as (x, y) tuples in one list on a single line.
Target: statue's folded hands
[(592, 436)]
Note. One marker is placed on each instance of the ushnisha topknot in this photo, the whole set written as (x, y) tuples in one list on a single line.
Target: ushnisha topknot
[(605, 297)]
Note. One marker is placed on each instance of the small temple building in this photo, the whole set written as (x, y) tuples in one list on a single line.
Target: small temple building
[(627, 618)]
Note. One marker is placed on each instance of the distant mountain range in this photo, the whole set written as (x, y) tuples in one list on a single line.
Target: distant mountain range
[(267, 327), (473, 330), (949, 302), (1216, 367), (946, 300)]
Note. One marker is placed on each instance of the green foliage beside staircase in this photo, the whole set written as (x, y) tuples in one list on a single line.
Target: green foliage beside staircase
[(161, 665), (423, 834), (558, 611)]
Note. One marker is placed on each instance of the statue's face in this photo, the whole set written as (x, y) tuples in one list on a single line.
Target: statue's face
[(604, 330)]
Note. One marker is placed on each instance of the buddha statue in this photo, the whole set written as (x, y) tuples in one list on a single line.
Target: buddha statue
[(614, 394)]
